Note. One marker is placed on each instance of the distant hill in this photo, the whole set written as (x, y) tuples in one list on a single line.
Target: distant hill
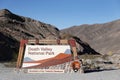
[(104, 38)]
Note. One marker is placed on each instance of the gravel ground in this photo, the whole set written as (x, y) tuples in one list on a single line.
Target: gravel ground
[(11, 74)]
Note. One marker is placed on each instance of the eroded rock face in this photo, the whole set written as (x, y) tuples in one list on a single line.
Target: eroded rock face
[(23, 27)]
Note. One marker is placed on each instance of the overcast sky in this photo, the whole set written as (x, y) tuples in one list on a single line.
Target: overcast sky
[(65, 13)]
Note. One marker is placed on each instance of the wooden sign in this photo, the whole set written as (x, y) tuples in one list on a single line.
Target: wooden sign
[(46, 56)]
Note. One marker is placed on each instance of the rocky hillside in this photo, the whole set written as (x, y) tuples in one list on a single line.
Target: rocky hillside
[(22, 27), (104, 38), (13, 28)]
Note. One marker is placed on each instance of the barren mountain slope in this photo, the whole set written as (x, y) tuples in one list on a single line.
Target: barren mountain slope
[(13, 28), (104, 38)]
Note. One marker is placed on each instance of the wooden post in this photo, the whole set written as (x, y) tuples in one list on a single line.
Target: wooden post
[(37, 41), (72, 43), (20, 55)]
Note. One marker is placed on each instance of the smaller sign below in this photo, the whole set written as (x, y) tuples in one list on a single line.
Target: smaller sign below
[(45, 71)]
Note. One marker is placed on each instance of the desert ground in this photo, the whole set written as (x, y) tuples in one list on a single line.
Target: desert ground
[(13, 74)]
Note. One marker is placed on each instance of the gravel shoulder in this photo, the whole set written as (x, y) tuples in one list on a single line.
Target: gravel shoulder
[(12, 74)]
